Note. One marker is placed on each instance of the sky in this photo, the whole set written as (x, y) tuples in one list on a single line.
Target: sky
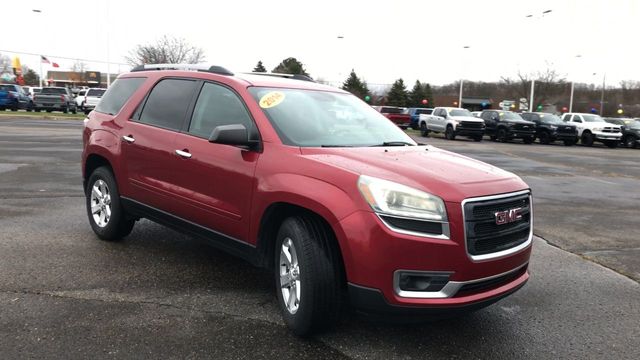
[(381, 40)]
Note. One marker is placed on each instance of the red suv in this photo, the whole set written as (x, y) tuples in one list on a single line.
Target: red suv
[(310, 182)]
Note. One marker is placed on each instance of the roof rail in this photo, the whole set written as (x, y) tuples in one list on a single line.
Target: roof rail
[(288, 76), (192, 67)]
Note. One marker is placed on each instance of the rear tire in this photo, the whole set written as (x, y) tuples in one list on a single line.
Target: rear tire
[(106, 216), (612, 144), (586, 139), (630, 142), (309, 281), (423, 129), (75, 110), (449, 134)]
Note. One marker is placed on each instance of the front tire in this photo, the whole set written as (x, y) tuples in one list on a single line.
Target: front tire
[(449, 134), (106, 216), (586, 139), (545, 138), (502, 135), (308, 277)]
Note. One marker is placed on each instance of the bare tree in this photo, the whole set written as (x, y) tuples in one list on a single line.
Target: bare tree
[(549, 84), (167, 50), (79, 66)]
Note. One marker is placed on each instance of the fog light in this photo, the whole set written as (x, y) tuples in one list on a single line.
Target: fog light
[(415, 281)]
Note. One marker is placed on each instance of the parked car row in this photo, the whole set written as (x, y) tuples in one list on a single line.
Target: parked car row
[(500, 125), (30, 98)]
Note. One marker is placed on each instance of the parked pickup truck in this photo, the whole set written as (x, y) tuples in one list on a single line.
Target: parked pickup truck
[(397, 115), (506, 125), (550, 128), (415, 116), (452, 122), (92, 98), (13, 97), (55, 98), (593, 128)]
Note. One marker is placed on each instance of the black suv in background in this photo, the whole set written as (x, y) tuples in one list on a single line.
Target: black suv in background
[(630, 131), (550, 128), (506, 125)]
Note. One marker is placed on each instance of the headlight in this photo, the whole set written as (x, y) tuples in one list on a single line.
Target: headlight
[(387, 197), (597, 129)]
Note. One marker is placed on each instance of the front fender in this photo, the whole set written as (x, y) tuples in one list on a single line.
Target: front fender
[(325, 199)]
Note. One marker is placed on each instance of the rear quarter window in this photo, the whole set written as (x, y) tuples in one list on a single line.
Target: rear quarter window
[(118, 94)]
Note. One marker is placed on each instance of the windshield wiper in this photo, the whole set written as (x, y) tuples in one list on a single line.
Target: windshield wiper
[(394, 143), (332, 146)]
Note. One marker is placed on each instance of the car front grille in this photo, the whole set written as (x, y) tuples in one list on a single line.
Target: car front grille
[(611, 130), (472, 124), (523, 127), (483, 234)]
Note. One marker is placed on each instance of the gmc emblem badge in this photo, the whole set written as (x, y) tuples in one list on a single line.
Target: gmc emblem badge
[(508, 216)]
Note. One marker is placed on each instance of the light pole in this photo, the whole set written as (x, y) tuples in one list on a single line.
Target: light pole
[(462, 78), (572, 87), (533, 81), (38, 11)]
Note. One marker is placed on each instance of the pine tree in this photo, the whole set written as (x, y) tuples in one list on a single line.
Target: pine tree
[(416, 95), (259, 67), (428, 94), (398, 95), (356, 86), (290, 66)]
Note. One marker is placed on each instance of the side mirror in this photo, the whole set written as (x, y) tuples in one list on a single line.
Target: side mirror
[(235, 134)]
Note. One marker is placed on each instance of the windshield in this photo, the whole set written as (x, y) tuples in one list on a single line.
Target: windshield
[(634, 125), (508, 115), (7, 88), (54, 91), (551, 119), (312, 118), (96, 92), (424, 111), (592, 118), (460, 112)]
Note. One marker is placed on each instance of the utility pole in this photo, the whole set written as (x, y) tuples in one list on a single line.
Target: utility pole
[(533, 86), (604, 77), (462, 80)]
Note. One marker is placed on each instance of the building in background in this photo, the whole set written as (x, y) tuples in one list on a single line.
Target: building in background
[(74, 79)]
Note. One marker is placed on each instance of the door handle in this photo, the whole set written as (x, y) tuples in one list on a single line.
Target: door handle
[(183, 154), (128, 138)]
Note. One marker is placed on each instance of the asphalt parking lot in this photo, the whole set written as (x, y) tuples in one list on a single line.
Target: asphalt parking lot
[(160, 294)]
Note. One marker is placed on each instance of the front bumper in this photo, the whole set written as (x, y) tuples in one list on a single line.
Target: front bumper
[(602, 136), (462, 131), (375, 252), (515, 134), (564, 136)]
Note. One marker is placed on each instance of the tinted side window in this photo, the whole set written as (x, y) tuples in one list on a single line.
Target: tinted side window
[(118, 94), (487, 115), (217, 105), (167, 103)]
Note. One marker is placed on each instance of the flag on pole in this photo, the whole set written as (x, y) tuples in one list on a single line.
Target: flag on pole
[(44, 60), (55, 65)]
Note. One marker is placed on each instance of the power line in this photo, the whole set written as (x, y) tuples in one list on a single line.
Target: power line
[(63, 57)]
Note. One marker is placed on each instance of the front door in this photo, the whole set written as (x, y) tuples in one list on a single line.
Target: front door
[(216, 181)]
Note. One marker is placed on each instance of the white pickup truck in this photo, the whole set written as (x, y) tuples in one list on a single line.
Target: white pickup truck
[(452, 122), (592, 128)]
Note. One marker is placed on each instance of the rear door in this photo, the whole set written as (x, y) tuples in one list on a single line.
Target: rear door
[(216, 181), (148, 142), (491, 121)]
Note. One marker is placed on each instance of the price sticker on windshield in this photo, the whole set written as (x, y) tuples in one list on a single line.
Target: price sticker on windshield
[(271, 99)]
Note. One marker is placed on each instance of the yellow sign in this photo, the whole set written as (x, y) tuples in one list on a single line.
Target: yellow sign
[(271, 99)]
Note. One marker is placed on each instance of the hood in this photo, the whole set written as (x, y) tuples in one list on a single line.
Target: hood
[(451, 176), (592, 125), (466, 118), (524, 122)]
